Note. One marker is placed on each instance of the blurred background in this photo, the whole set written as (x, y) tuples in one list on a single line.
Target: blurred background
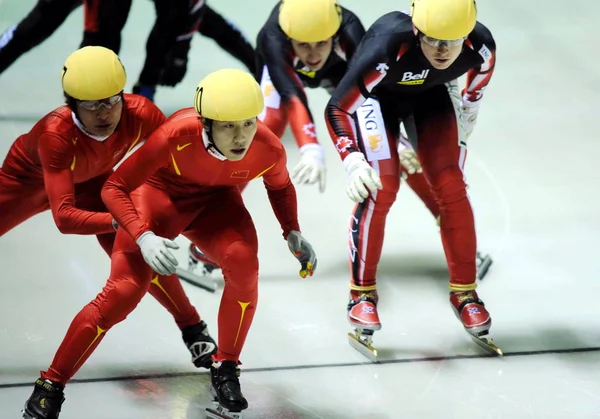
[(532, 172)]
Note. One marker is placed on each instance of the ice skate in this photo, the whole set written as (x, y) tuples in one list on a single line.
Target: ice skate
[(362, 315), (196, 257), (45, 401), (202, 280), (483, 265), (228, 398), (476, 320), (200, 344)]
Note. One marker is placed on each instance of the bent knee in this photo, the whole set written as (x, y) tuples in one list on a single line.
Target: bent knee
[(240, 264), (118, 300), (449, 185)]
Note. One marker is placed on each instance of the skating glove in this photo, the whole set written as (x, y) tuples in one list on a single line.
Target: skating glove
[(408, 157), (468, 115), (156, 253), (361, 177), (304, 252), (311, 168)]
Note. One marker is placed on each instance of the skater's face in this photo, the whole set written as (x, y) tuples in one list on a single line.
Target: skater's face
[(441, 54), (100, 117), (313, 54), (233, 138)]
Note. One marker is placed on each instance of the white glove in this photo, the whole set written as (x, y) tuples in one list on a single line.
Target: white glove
[(304, 252), (311, 168), (361, 177), (468, 115), (156, 253), (408, 157)]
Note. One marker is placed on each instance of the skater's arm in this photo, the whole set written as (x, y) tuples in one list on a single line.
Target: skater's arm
[(280, 189), (275, 50), (132, 173), (58, 161), (351, 33), (366, 70), (479, 77)]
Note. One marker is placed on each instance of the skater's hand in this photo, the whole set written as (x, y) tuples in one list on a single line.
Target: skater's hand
[(362, 178), (311, 168), (409, 161), (304, 252), (468, 115), (156, 253)]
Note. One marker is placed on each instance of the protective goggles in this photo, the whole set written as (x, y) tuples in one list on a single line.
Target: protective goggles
[(441, 43), (95, 105)]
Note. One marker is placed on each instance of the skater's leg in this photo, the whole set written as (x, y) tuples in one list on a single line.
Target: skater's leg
[(36, 27), (19, 202), (442, 152), (225, 232), (367, 224), (167, 46), (104, 21), (166, 289), (228, 37)]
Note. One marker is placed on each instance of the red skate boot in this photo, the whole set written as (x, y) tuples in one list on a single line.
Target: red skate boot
[(363, 316), (475, 318)]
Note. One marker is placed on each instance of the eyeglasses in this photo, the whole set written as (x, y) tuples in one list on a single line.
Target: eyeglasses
[(94, 105), (441, 43)]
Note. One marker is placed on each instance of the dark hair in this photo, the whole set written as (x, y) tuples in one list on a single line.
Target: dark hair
[(71, 102)]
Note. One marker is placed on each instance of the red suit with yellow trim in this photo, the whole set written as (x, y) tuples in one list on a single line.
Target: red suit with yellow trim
[(177, 183), (57, 166)]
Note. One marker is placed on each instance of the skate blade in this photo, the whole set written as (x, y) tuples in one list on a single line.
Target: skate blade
[(487, 343), (483, 265), (193, 279), (220, 412), (363, 347)]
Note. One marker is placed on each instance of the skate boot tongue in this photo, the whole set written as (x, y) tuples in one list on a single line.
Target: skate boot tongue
[(226, 383)]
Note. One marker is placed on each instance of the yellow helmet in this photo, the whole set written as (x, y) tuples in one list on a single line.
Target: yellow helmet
[(444, 19), (310, 20), (93, 73), (229, 95)]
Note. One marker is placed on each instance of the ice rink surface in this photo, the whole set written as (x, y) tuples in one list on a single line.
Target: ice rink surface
[(532, 171)]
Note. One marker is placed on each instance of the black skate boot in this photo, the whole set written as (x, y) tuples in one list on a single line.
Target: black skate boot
[(226, 391), (45, 401), (200, 344)]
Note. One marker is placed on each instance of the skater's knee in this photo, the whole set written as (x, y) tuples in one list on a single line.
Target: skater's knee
[(118, 300), (384, 198), (240, 265), (449, 185)]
